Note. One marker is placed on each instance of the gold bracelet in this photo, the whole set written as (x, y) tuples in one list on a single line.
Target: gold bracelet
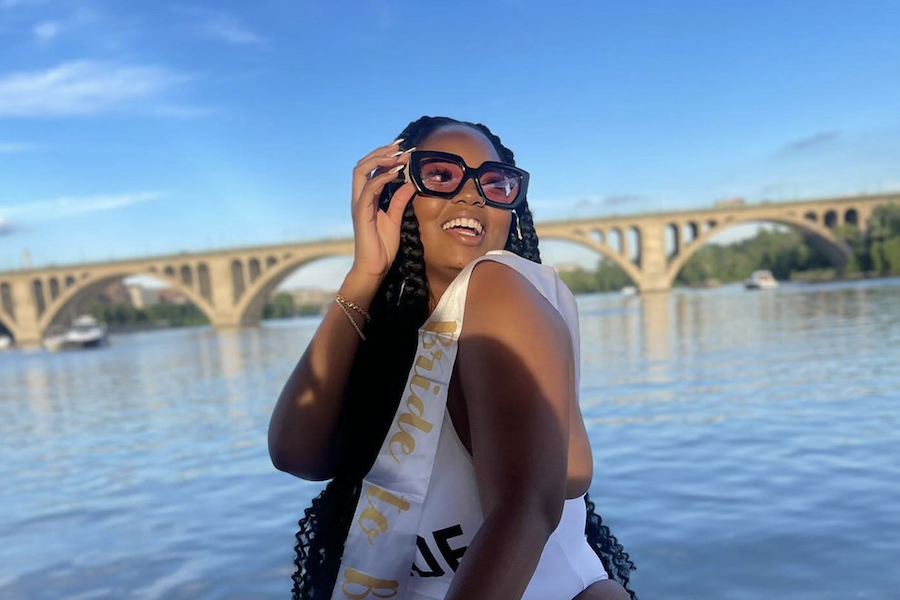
[(352, 322), (358, 309)]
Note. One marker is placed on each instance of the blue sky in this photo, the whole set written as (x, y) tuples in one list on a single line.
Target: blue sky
[(143, 128)]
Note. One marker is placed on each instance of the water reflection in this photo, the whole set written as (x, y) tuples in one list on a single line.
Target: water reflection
[(734, 434)]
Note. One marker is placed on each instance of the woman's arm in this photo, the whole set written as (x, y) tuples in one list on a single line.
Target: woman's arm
[(302, 438), (302, 426), (516, 367)]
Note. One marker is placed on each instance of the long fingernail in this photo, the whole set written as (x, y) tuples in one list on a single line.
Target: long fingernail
[(397, 153), (395, 142), (409, 150), (397, 168)]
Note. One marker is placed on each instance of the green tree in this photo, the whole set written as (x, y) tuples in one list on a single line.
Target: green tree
[(280, 306), (883, 240)]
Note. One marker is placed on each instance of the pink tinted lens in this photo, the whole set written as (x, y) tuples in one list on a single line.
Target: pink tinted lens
[(440, 175), (500, 185)]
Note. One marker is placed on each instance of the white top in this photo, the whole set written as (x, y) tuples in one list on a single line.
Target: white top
[(451, 513)]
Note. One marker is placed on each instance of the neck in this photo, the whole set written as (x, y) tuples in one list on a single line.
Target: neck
[(439, 279)]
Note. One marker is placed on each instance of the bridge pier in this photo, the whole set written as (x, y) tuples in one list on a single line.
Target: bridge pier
[(27, 332), (654, 266)]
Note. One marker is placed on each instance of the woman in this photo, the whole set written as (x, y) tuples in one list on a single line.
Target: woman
[(511, 403)]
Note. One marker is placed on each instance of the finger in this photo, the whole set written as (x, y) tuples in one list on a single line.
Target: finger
[(382, 150), (365, 168), (362, 173), (373, 187), (399, 201)]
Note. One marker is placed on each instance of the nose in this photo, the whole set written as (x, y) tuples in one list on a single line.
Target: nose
[(469, 194)]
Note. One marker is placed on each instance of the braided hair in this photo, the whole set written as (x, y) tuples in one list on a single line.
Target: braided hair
[(374, 387)]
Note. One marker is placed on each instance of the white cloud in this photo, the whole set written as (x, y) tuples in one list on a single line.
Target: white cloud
[(82, 88), (229, 29), (45, 31), (69, 206), (16, 147)]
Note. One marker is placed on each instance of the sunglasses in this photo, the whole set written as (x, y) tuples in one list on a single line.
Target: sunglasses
[(443, 175)]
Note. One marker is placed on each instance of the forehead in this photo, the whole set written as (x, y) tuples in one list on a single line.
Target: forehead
[(471, 144)]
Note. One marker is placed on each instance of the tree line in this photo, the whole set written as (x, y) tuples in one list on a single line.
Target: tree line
[(167, 314)]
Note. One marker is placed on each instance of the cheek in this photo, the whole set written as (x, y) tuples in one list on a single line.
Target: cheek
[(427, 209), (500, 228)]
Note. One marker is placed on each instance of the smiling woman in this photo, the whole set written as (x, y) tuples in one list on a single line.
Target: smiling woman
[(447, 446)]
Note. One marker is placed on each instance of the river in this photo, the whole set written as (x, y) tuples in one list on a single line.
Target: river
[(746, 446)]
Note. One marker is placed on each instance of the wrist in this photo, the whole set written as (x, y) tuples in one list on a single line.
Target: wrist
[(360, 288)]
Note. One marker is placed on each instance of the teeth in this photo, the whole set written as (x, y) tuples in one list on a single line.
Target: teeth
[(460, 222)]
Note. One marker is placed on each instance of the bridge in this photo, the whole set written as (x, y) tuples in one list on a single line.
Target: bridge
[(232, 286)]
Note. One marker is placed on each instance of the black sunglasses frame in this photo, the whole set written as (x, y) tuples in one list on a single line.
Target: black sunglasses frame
[(413, 173)]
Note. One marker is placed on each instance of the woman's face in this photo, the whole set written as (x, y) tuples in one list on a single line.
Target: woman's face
[(449, 249)]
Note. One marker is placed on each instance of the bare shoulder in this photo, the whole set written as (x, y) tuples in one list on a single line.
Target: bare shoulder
[(502, 303)]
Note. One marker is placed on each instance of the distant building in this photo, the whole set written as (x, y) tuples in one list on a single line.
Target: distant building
[(170, 296), (311, 296), (114, 293), (142, 297)]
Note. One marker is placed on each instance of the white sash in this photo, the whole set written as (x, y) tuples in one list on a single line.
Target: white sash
[(381, 543)]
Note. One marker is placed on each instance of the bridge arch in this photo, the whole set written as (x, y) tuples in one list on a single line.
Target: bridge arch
[(7, 323), (837, 251), (629, 268), (85, 288), (253, 300)]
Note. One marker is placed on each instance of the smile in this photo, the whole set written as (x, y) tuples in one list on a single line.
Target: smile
[(467, 227)]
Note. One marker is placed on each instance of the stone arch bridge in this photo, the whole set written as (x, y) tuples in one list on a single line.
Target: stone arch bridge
[(232, 286)]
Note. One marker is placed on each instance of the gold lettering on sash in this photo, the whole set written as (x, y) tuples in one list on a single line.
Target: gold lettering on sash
[(413, 403), (442, 331), (414, 417), (428, 364), (376, 516), (380, 588)]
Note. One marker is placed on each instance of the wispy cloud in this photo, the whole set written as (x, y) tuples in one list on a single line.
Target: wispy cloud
[(218, 25), (83, 87), (15, 3), (230, 29), (6, 227), (810, 142), (16, 147), (69, 206), (49, 30), (46, 31)]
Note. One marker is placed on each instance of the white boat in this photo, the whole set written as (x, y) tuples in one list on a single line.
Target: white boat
[(85, 332), (5, 342), (628, 290), (761, 280)]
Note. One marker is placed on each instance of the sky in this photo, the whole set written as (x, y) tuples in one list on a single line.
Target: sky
[(131, 129)]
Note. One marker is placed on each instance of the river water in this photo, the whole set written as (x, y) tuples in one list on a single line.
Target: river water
[(747, 445)]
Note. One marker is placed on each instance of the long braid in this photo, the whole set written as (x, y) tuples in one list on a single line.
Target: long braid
[(375, 384)]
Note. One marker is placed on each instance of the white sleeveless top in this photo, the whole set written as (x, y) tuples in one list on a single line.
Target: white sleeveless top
[(419, 505), (451, 514)]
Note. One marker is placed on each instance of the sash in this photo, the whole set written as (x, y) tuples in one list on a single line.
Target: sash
[(381, 543)]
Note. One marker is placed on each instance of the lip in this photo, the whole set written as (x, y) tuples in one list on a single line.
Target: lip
[(463, 238)]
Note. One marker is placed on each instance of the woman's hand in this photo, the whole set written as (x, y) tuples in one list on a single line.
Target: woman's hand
[(376, 233)]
